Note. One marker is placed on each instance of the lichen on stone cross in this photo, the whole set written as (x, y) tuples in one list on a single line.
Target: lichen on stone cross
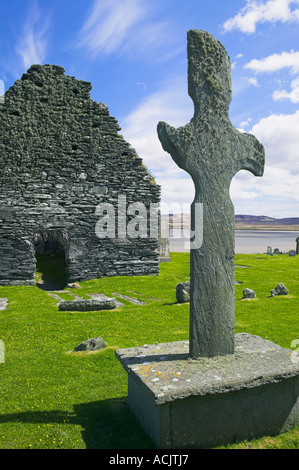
[(212, 151)]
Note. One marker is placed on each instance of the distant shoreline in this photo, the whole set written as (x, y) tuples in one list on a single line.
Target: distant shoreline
[(275, 228), (282, 228), (247, 240), (242, 222)]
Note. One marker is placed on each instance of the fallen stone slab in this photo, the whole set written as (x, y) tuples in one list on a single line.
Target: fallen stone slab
[(130, 299), (101, 296), (280, 289), (92, 344), (86, 305)]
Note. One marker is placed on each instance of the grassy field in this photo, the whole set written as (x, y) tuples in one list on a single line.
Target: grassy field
[(52, 398)]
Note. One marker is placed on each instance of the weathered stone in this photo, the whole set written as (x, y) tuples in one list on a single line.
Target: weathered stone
[(276, 251), (92, 344), (297, 246), (101, 296), (182, 292), (204, 403), (292, 253), (249, 294), (3, 303), (280, 289), (164, 241), (212, 151), (86, 305), (269, 251), (61, 156)]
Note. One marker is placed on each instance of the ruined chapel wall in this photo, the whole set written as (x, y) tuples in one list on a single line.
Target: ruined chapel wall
[(61, 155)]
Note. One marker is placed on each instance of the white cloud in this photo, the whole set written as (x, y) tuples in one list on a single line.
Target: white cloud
[(108, 24), (274, 194), (256, 12), (122, 26), (275, 62), (279, 135), (277, 192), (171, 104), (245, 123), (293, 95), (253, 81), (32, 46)]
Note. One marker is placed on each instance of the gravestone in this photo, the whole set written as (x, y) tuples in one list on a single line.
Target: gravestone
[(164, 241), (269, 251), (217, 387)]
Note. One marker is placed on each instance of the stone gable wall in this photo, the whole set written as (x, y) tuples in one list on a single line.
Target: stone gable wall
[(61, 155)]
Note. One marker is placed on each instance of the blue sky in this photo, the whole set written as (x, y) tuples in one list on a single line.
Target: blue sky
[(134, 54)]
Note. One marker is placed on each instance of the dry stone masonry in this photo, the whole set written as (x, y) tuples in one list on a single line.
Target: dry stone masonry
[(61, 155)]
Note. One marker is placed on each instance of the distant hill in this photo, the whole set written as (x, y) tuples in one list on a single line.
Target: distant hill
[(258, 222), (262, 221)]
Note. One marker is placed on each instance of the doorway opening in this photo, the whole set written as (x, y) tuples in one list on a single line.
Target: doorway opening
[(51, 268)]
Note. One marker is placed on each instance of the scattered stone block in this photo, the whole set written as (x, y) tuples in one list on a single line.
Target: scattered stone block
[(183, 292), (92, 344), (249, 294), (3, 303), (280, 289), (292, 253), (86, 305), (101, 296)]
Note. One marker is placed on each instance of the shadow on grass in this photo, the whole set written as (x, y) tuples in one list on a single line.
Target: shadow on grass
[(106, 424)]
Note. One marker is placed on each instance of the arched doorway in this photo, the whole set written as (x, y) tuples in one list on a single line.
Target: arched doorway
[(51, 266)]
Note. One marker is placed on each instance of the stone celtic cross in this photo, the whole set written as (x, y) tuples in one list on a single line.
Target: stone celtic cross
[(212, 151)]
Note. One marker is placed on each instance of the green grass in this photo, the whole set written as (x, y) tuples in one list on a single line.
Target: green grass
[(52, 398)]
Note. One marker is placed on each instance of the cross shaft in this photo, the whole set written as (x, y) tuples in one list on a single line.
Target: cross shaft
[(212, 151)]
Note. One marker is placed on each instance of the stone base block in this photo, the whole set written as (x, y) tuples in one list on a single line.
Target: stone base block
[(184, 403)]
